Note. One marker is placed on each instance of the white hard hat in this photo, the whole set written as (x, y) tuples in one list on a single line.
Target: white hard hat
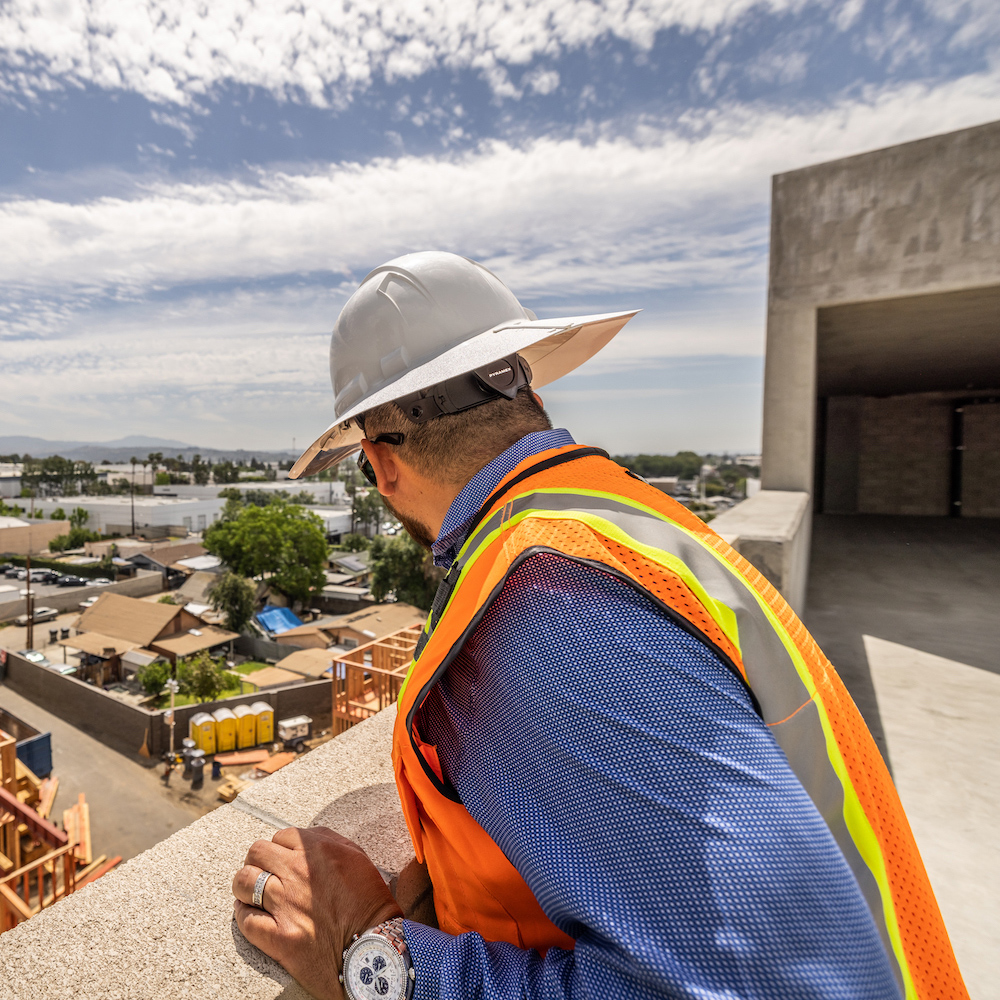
[(426, 317)]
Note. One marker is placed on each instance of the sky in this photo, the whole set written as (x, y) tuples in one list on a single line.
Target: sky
[(189, 191)]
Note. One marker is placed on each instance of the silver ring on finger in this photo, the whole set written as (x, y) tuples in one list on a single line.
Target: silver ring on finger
[(258, 889)]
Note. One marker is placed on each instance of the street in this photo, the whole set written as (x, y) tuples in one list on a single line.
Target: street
[(130, 809)]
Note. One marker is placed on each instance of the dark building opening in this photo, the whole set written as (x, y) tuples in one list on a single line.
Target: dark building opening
[(908, 408)]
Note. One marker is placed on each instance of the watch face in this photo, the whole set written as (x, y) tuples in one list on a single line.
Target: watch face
[(374, 970)]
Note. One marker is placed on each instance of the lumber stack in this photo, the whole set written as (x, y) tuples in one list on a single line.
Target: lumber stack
[(47, 795), (76, 823), (231, 787), (28, 783), (275, 762)]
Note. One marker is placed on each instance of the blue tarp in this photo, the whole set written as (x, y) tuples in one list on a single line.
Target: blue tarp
[(277, 620)]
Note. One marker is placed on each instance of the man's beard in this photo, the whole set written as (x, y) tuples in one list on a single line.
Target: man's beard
[(417, 530)]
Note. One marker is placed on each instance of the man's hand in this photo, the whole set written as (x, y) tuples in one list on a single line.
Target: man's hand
[(323, 890)]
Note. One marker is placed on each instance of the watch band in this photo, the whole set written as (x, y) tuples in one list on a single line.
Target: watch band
[(393, 930)]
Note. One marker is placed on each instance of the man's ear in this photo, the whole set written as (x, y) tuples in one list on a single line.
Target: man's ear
[(538, 399), (384, 464)]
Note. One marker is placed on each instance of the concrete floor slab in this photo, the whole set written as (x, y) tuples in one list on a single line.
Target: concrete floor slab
[(940, 721), (928, 582)]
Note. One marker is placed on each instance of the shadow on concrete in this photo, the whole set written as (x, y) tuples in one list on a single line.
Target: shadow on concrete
[(371, 817), (930, 583)]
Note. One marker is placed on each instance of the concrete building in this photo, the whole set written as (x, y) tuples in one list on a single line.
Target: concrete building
[(21, 537), (111, 514), (882, 375), (10, 480), (332, 493)]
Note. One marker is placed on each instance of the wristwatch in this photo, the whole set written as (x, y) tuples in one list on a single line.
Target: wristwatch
[(377, 964)]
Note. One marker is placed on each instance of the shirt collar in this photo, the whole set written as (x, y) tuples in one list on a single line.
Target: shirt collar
[(468, 503)]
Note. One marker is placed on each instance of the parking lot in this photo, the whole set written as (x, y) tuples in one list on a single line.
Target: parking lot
[(10, 589)]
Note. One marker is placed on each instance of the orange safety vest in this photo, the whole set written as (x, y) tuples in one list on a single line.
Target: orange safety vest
[(575, 502)]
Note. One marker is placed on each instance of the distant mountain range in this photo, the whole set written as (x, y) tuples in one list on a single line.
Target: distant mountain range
[(122, 449)]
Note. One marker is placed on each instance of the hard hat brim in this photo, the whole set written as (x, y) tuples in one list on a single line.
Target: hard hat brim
[(552, 347)]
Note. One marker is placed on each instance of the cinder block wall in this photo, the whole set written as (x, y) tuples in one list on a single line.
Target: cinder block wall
[(981, 461), (904, 456)]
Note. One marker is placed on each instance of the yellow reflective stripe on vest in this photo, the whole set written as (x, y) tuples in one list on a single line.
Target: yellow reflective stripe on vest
[(555, 503)]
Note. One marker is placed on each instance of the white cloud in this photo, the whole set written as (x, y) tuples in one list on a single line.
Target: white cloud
[(174, 51), (659, 210), (541, 81), (122, 309)]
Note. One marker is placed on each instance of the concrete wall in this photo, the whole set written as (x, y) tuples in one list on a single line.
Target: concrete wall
[(981, 461), (904, 456), (921, 217), (124, 726), (141, 585), (33, 538), (771, 531), (93, 711)]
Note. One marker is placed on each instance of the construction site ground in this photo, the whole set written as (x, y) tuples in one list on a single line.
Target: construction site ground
[(130, 808)]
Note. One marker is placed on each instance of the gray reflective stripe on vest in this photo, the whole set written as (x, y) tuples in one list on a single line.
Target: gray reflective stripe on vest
[(785, 701)]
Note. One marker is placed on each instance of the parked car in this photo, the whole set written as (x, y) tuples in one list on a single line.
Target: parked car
[(41, 615), (44, 576), (35, 657), (62, 668), (72, 581), (11, 574), (89, 602), (7, 566), (101, 581)]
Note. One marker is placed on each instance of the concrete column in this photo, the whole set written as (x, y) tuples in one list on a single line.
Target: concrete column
[(789, 397)]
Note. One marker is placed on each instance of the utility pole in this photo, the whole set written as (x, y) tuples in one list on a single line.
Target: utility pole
[(132, 493), (172, 686), (29, 596)]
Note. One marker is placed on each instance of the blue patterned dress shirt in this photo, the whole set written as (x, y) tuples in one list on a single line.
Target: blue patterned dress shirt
[(622, 770)]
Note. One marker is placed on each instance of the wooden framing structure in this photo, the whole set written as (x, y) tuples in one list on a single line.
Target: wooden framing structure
[(38, 861), (43, 873), (368, 678)]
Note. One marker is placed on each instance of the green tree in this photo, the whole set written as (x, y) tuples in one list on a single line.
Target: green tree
[(79, 517), (401, 566), (200, 470), (226, 472), (234, 597), (355, 543), (153, 676), (684, 465), (367, 509), (203, 678), (281, 541)]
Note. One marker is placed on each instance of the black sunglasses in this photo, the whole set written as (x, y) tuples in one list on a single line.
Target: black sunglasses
[(365, 466)]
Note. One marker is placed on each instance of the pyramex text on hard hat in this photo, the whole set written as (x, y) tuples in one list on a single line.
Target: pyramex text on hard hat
[(624, 762)]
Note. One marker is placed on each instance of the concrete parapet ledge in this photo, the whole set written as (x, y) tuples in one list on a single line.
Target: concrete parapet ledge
[(161, 925), (772, 531)]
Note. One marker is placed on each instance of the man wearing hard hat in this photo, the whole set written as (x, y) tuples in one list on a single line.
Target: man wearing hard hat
[(626, 764)]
